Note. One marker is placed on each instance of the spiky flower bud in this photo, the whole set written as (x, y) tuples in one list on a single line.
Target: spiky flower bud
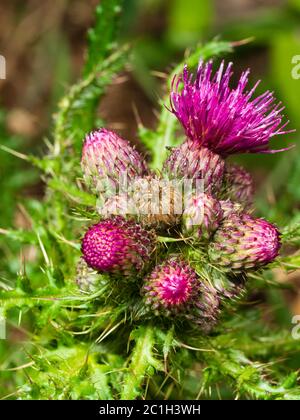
[(157, 202), (202, 216), (239, 185), (243, 243), (173, 288), (191, 162), (107, 159), (87, 279), (117, 246), (229, 207)]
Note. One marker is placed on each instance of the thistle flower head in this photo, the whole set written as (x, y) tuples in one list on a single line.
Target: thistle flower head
[(243, 243), (108, 157), (202, 216), (223, 119), (116, 245), (239, 185), (192, 162), (173, 288)]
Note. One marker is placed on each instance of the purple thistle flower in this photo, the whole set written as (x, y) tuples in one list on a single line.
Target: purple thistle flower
[(202, 216), (117, 245), (243, 243), (188, 161), (225, 120), (106, 156)]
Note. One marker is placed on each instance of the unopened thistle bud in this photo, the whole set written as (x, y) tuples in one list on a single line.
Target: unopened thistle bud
[(173, 288), (117, 246), (107, 159), (202, 216), (191, 162), (239, 185), (243, 243)]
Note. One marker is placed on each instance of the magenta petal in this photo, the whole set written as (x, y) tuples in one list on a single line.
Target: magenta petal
[(225, 120)]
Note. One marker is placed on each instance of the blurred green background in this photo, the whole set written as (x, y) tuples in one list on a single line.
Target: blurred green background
[(44, 46)]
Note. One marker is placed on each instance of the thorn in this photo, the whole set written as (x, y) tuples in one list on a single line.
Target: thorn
[(159, 74), (25, 213), (47, 260), (22, 264), (121, 79), (156, 113), (14, 152), (187, 53), (137, 116), (242, 42)]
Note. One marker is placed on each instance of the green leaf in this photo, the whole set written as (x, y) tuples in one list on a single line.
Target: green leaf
[(102, 37), (77, 110), (72, 192), (20, 235), (141, 361)]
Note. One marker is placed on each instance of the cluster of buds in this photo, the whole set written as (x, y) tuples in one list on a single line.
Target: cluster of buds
[(218, 121), (224, 121)]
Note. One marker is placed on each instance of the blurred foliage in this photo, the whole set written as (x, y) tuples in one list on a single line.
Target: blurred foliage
[(66, 345), (186, 25)]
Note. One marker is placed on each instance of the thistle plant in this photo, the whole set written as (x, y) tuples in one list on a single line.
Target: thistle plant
[(124, 304)]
